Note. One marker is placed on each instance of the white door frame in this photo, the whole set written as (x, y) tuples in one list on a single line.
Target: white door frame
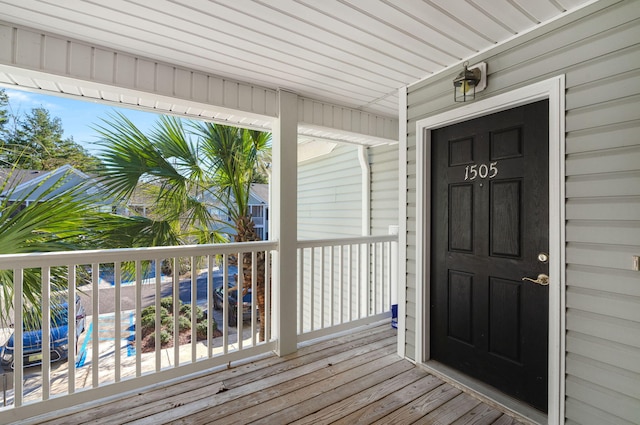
[(552, 89)]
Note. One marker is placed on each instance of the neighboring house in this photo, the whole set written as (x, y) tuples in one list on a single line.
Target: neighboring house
[(11, 177), (259, 209), (560, 115), (30, 186)]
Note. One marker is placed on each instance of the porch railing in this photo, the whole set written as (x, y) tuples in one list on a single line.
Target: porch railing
[(341, 283)]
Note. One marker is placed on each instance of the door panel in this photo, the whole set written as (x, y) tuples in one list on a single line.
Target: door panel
[(490, 222)]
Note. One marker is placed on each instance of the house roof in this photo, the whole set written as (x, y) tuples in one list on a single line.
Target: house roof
[(355, 53), (52, 183), (260, 192), (14, 176)]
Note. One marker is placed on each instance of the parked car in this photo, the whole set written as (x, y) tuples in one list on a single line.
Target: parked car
[(218, 297), (59, 338)]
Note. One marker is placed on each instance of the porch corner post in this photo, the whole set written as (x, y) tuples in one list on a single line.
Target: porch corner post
[(285, 221)]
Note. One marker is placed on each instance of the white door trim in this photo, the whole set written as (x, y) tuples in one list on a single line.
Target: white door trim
[(554, 90)]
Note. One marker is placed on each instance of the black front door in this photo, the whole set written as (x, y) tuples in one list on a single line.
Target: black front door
[(490, 229)]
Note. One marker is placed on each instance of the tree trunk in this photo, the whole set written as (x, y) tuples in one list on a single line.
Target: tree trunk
[(246, 233)]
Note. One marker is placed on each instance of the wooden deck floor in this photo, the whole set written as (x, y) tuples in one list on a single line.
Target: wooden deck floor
[(353, 378)]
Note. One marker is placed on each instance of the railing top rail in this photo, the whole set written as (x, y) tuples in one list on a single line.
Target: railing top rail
[(346, 241), (11, 261)]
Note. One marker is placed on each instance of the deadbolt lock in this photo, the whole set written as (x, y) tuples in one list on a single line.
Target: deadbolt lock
[(543, 257), (542, 279)]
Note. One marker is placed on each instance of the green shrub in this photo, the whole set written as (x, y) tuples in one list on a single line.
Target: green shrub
[(148, 321), (183, 323), (167, 302), (185, 310), (201, 330)]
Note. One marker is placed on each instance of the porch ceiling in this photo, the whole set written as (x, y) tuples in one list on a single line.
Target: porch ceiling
[(355, 53)]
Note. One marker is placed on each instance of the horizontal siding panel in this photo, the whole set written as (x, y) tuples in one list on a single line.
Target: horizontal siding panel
[(600, 91), (325, 194), (605, 232), (621, 405), (383, 162), (609, 161), (329, 195), (614, 62), (609, 328), (584, 414), (623, 356), (608, 184), (613, 112), (608, 376), (603, 303), (613, 208), (338, 213), (624, 282), (571, 36), (559, 52), (610, 256)]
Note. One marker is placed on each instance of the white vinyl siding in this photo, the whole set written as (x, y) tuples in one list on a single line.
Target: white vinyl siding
[(330, 195), (598, 50), (383, 162)]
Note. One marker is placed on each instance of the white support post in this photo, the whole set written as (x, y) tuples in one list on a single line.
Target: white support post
[(284, 220)]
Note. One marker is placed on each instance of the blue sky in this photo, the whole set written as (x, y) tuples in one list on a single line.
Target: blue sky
[(78, 117)]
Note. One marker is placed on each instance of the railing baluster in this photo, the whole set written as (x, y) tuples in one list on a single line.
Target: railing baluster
[(312, 289), (46, 332), (194, 306), (254, 300), (341, 284), (210, 318), (267, 296), (350, 283), (239, 290), (117, 282), (322, 287), (138, 325), (157, 317), (18, 347), (95, 336), (331, 286), (176, 311), (225, 304), (72, 339), (301, 290)]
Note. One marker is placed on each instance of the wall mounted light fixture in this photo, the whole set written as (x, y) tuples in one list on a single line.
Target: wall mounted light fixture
[(471, 80)]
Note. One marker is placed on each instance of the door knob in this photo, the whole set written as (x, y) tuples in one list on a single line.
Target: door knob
[(542, 279)]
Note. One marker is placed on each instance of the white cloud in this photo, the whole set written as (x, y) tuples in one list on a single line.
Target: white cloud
[(23, 100)]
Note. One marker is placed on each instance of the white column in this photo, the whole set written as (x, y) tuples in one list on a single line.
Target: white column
[(284, 221)]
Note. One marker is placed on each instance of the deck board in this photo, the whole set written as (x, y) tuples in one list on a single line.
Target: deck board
[(353, 378)]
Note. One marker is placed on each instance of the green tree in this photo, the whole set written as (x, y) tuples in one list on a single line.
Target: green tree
[(238, 156), (37, 143), (196, 170), (4, 119), (4, 113)]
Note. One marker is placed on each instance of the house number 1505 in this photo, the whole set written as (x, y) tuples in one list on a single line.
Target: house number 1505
[(472, 172)]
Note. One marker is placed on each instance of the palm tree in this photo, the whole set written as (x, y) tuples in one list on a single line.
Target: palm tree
[(189, 167), (237, 157), (51, 221)]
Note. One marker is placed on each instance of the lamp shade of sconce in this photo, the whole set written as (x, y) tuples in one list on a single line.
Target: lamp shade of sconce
[(470, 81)]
